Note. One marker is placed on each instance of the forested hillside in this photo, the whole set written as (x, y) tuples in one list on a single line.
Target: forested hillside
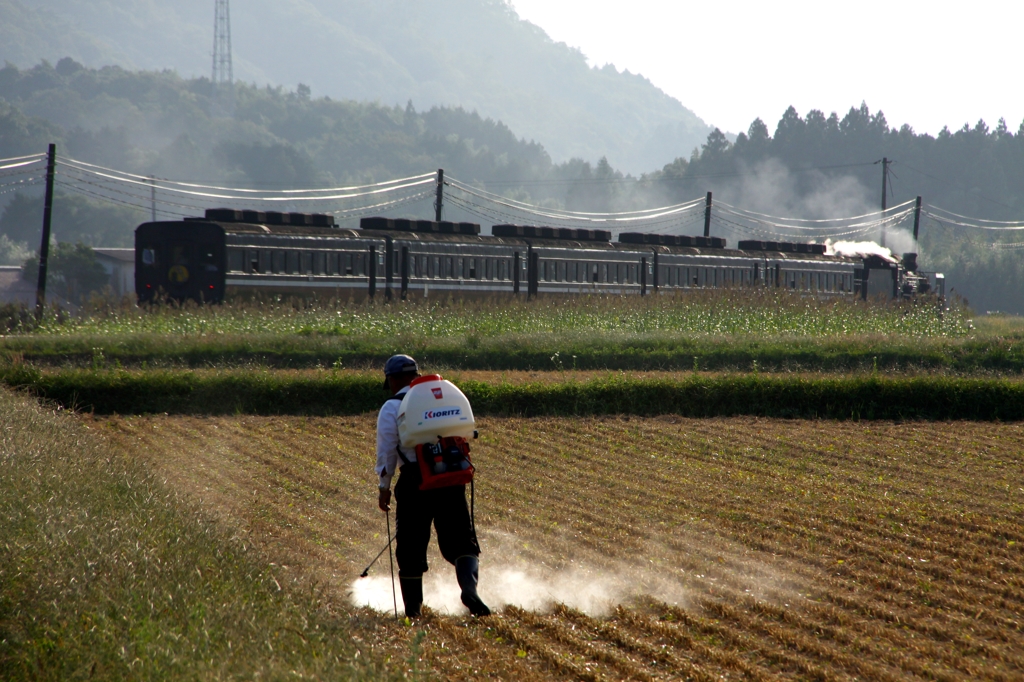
[(820, 166), (474, 54), (159, 123), (813, 166)]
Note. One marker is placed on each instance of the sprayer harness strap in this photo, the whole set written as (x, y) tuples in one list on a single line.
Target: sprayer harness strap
[(402, 457)]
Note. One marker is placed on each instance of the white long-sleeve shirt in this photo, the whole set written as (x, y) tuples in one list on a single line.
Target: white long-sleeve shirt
[(387, 441)]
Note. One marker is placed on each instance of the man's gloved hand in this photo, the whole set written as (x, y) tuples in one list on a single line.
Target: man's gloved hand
[(384, 499)]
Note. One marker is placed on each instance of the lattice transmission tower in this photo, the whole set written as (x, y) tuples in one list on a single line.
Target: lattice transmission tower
[(223, 72)]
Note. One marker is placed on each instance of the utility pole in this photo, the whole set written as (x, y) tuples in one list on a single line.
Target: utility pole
[(439, 203), (44, 247), (885, 187), (707, 216), (152, 198), (917, 220), (223, 78)]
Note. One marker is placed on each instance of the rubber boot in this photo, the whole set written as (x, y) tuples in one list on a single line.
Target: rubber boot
[(412, 595), (467, 570)]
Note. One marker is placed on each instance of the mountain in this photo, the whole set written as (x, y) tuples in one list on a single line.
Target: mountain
[(476, 54)]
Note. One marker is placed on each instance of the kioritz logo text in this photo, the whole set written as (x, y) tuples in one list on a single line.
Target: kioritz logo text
[(446, 412)]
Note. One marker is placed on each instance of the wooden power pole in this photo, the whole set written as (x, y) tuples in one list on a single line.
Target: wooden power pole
[(885, 187), (44, 246), (439, 203), (707, 216)]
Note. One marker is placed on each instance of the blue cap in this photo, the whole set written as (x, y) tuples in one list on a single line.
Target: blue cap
[(399, 364)]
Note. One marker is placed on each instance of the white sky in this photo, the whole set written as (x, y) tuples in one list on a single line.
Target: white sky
[(926, 63)]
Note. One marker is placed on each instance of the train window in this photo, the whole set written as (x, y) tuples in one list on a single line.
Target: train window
[(291, 262), (236, 260), (320, 263), (560, 271), (471, 266), (349, 270), (277, 262)]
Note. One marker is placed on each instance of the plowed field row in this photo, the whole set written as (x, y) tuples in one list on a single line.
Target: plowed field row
[(655, 549)]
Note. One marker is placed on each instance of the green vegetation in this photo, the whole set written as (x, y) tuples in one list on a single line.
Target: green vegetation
[(867, 396), (105, 574), (75, 219), (770, 330), (72, 271)]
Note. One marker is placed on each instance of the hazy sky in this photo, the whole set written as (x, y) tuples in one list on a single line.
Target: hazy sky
[(926, 63)]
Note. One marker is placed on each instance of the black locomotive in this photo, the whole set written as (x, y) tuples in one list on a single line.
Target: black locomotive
[(229, 253)]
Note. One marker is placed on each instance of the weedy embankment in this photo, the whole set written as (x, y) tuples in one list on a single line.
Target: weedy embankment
[(106, 574), (719, 330), (325, 392)]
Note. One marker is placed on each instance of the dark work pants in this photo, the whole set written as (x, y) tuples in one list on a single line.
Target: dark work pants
[(416, 509)]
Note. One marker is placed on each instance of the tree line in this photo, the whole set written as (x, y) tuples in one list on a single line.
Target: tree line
[(815, 165)]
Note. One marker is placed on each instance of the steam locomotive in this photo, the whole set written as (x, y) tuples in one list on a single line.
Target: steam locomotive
[(230, 253)]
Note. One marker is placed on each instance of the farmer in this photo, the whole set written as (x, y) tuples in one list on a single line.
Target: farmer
[(416, 509)]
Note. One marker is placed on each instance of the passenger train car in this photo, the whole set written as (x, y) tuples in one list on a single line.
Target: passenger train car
[(230, 253)]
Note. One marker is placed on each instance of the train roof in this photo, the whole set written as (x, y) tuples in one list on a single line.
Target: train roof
[(402, 235), (281, 230)]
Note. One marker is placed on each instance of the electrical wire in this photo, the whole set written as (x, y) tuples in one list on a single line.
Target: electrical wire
[(945, 221), (647, 179), (502, 216), (1014, 223), (21, 164), (388, 204), (83, 191), (23, 158), (829, 230), (576, 220), (149, 180), (576, 215), (230, 197), (809, 220)]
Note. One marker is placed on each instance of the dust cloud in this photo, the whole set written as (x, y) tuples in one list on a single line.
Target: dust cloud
[(679, 571)]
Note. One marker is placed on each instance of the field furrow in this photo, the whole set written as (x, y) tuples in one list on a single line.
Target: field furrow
[(666, 548)]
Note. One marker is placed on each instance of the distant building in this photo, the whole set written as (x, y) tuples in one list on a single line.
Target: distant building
[(13, 289), (120, 265)]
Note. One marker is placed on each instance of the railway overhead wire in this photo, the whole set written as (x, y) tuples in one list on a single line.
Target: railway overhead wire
[(176, 199)]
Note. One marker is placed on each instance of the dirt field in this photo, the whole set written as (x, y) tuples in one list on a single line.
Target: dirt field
[(701, 549)]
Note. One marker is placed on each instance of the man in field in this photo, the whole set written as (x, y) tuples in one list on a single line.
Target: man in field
[(417, 509)]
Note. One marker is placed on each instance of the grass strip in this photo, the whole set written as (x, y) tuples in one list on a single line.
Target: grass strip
[(692, 395), (541, 352), (105, 574)]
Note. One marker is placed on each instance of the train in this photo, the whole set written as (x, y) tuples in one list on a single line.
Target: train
[(229, 253)]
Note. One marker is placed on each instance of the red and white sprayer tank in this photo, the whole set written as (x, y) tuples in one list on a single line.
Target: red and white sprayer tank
[(434, 408)]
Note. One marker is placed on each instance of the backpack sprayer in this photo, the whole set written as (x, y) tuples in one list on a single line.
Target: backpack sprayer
[(436, 419)]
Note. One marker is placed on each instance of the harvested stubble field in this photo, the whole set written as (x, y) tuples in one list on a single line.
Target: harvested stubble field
[(679, 549)]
